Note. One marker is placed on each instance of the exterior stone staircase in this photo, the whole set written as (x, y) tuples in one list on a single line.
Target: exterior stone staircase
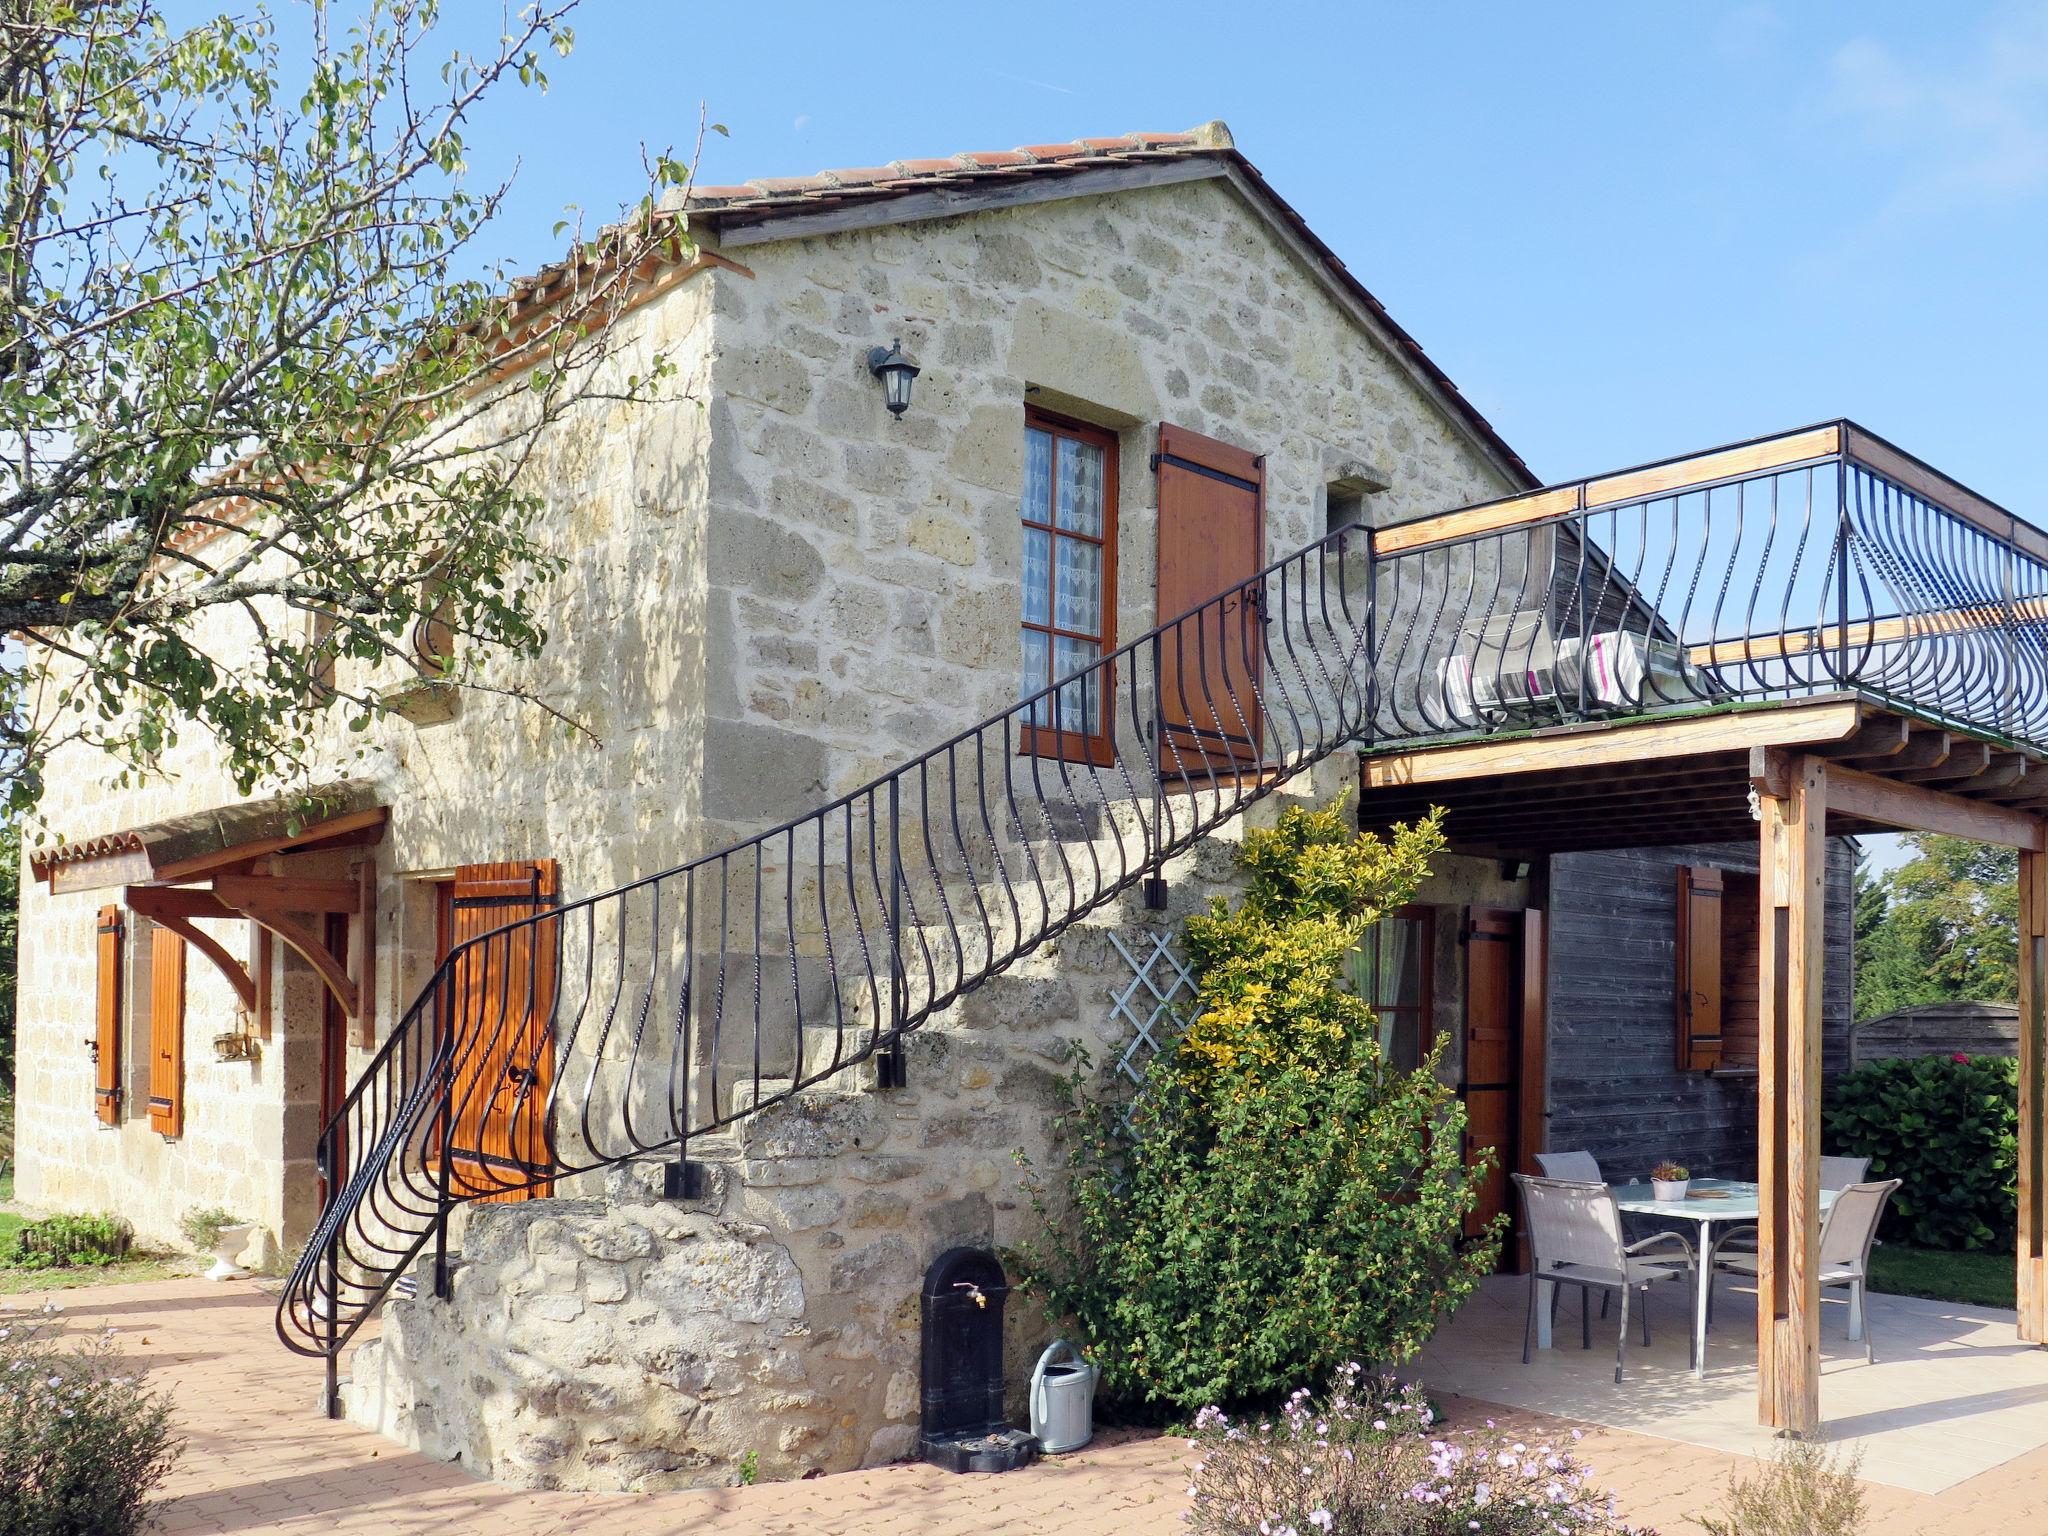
[(585, 1338)]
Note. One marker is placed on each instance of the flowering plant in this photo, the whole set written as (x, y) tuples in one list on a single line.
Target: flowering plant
[(1369, 1459), (1668, 1172), (82, 1443)]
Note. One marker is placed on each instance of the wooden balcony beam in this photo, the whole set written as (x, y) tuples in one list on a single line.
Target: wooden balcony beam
[(1640, 740)]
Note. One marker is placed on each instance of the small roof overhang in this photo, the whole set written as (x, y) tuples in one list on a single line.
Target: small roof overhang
[(342, 814)]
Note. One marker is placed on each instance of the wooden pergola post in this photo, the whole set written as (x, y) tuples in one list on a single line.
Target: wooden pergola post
[(2033, 1105), (1793, 879)]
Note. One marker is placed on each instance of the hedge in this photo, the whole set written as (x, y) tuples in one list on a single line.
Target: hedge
[(1949, 1127)]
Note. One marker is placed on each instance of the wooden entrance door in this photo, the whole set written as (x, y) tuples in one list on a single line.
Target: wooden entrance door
[(1212, 540), (333, 1052), (498, 1020), (1503, 1078)]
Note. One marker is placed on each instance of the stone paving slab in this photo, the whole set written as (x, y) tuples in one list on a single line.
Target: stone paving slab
[(261, 1462), (1953, 1393)]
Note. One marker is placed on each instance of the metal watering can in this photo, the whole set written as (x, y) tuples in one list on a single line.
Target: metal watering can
[(1063, 1399)]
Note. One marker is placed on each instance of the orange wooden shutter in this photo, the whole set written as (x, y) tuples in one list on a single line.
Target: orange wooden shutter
[(1212, 540), (107, 1033), (501, 1014), (1699, 968), (166, 1032)]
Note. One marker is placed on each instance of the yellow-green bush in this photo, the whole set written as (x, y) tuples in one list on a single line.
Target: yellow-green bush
[(1276, 1200)]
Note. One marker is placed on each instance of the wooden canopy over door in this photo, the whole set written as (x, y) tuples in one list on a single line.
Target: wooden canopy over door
[(1212, 540), (499, 1025)]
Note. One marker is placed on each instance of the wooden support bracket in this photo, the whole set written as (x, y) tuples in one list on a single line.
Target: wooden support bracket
[(279, 902), (176, 908)]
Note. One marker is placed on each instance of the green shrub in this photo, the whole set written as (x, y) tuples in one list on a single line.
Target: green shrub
[(60, 1242), (1805, 1489), (1277, 1199), (82, 1444), (1949, 1127)]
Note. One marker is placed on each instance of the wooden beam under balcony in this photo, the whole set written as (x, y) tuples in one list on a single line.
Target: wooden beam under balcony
[(1852, 793), (1626, 741)]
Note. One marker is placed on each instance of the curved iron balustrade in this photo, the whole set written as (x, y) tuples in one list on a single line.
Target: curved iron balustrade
[(640, 1020)]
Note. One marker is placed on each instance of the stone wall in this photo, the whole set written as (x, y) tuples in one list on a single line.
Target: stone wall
[(864, 571)]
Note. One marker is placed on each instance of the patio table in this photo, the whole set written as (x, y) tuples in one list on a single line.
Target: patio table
[(1725, 1202)]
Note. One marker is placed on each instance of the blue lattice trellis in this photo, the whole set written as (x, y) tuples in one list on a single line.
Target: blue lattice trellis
[(1158, 998)]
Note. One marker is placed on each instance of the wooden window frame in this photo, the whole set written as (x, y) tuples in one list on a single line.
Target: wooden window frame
[(1097, 746), (1424, 917)]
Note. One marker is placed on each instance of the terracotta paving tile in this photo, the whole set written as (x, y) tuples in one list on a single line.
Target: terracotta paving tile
[(260, 1462)]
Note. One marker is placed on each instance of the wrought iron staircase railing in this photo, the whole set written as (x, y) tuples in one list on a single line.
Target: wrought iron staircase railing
[(641, 1020)]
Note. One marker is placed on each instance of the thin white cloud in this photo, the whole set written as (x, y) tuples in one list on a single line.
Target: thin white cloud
[(1043, 85), (1970, 131), (802, 122)]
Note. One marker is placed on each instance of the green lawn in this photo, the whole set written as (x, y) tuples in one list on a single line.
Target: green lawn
[(1974, 1279), (143, 1266)]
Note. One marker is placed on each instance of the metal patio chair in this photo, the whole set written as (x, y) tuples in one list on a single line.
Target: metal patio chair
[(1835, 1173), (1846, 1235), (1575, 1238), (1580, 1167)]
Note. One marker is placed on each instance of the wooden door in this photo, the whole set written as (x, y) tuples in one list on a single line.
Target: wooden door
[(333, 1053), (1699, 977), (1503, 1086), (1212, 541), (499, 1022), (1492, 1081)]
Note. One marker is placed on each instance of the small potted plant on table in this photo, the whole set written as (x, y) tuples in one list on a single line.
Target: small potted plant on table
[(1669, 1181)]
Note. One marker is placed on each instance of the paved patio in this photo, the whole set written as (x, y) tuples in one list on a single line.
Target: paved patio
[(1953, 1394), (260, 1462)]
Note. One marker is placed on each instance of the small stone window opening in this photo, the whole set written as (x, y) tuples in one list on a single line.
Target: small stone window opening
[(1349, 484), (320, 652), (1343, 509), (433, 634)]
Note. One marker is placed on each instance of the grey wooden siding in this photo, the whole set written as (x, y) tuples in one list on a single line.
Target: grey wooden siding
[(1615, 1089)]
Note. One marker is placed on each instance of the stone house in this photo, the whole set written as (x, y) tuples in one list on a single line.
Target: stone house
[(773, 592)]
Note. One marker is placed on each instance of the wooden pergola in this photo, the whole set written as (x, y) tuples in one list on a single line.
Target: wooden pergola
[(1789, 774)]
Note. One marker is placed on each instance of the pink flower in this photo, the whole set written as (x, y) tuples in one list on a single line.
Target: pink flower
[(1962, 1056)]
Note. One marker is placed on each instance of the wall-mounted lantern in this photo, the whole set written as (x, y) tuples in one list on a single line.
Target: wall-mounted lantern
[(892, 365)]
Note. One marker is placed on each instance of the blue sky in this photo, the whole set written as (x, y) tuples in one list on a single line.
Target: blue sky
[(1626, 230)]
